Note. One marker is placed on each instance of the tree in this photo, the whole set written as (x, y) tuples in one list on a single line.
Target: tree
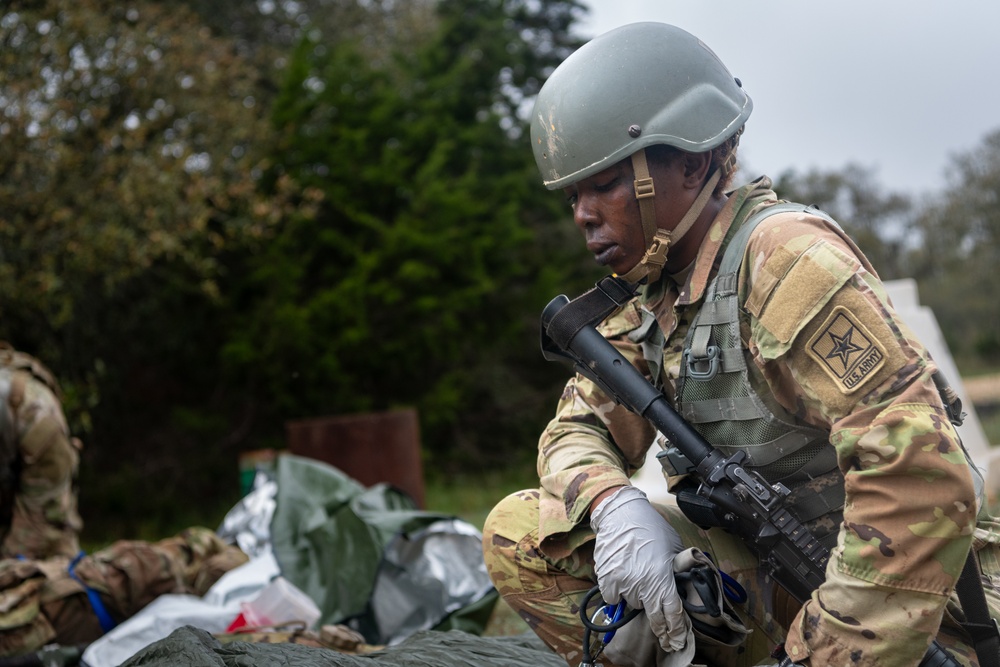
[(197, 270), (128, 182), (420, 280), (956, 262)]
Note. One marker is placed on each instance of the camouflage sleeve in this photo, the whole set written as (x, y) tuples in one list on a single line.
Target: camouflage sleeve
[(836, 355), (591, 445), (45, 521)]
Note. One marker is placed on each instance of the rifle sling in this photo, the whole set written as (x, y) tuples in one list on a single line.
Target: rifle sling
[(589, 309), (978, 623)]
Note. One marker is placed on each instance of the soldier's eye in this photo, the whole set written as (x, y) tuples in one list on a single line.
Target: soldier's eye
[(605, 187)]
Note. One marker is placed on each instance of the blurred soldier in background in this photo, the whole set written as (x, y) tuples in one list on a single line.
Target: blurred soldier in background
[(38, 462), (73, 601), (50, 590)]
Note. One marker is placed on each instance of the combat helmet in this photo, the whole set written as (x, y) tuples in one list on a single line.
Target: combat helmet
[(636, 86)]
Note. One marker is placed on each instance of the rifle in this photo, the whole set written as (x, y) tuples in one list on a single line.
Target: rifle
[(753, 508)]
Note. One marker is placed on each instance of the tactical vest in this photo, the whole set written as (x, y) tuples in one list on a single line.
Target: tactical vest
[(725, 398)]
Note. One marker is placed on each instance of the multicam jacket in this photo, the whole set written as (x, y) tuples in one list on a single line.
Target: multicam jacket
[(39, 461), (818, 329)]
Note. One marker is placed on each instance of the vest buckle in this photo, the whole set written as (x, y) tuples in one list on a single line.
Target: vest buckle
[(703, 368)]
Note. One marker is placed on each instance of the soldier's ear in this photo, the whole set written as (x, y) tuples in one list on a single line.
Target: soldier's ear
[(696, 166)]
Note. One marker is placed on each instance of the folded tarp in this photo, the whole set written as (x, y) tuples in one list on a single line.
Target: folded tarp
[(371, 559), (196, 648), (366, 556)]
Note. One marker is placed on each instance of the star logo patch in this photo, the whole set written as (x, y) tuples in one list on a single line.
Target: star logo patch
[(846, 350)]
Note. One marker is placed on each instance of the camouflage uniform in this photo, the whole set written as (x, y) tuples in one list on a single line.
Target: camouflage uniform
[(910, 509), (42, 602), (38, 463)]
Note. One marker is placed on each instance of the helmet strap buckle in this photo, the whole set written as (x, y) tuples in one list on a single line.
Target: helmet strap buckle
[(644, 188), (651, 265), (656, 253)]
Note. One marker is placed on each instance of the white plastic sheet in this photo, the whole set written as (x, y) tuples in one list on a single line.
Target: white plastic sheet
[(213, 613)]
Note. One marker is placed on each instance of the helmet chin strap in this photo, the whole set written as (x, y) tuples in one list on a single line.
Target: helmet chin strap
[(658, 241)]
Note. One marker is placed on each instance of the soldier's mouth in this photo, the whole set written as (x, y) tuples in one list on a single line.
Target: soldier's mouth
[(604, 254)]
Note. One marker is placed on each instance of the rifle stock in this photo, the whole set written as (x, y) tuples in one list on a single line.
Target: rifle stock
[(754, 509)]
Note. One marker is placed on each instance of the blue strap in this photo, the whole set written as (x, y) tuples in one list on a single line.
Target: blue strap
[(103, 617), (732, 588), (614, 613)]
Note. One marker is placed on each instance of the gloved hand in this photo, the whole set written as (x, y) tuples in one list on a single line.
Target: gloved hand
[(633, 557)]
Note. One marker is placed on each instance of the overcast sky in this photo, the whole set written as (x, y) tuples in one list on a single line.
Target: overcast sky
[(893, 85)]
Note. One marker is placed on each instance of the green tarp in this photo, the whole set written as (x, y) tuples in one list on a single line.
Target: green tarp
[(329, 535), (196, 648)]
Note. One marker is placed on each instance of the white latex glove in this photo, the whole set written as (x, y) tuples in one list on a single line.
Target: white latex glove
[(634, 557)]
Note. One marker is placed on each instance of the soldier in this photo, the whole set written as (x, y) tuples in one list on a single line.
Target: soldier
[(786, 347), (39, 461), (75, 600)]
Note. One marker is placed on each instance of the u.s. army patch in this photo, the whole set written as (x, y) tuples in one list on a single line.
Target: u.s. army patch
[(846, 350)]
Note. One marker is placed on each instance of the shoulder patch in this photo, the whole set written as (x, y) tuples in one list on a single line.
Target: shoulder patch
[(806, 287), (846, 350)]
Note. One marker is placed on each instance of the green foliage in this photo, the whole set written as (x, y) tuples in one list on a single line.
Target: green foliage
[(419, 279), (956, 265), (206, 233), (128, 155), (131, 138)]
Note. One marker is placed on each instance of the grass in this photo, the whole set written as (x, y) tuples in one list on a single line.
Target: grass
[(471, 496)]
